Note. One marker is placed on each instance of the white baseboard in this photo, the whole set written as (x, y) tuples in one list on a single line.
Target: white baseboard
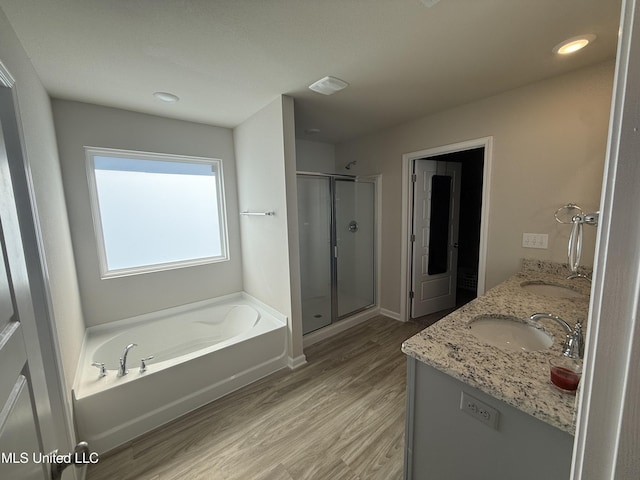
[(390, 314), (339, 327), (296, 362)]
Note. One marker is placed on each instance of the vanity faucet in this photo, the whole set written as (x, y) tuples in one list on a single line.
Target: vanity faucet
[(122, 371), (573, 346), (579, 275)]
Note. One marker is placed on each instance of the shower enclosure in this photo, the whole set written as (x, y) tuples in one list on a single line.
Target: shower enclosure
[(336, 217)]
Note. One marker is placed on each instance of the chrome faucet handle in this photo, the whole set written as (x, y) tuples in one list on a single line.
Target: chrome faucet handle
[(573, 346), (143, 363), (103, 370), (574, 343)]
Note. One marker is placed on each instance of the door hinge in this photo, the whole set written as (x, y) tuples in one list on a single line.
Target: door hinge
[(411, 294), (414, 178), (412, 238)]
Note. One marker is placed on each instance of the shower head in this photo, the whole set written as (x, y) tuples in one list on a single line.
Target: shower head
[(350, 164)]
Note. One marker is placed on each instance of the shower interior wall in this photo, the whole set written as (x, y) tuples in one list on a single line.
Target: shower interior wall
[(355, 268), (318, 157)]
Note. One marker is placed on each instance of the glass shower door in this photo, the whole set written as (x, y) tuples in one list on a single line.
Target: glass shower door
[(314, 220), (355, 234)]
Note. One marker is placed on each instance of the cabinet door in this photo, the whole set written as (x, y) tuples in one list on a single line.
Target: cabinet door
[(443, 442)]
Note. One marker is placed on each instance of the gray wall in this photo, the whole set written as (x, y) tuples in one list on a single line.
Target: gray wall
[(549, 141), (80, 124), (48, 200)]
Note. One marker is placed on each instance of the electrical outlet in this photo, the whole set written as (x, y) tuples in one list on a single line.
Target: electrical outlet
[(535, 240), (479, 410)]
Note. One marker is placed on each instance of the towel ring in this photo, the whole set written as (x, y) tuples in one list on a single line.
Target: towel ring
[(566, 214)]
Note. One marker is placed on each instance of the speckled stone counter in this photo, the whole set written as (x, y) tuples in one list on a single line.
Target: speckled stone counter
[(518, 378)]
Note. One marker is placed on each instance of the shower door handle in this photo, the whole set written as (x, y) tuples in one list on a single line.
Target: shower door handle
[(335, 251)]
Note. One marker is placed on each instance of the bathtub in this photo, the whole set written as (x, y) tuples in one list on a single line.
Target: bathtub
[(201, 352)]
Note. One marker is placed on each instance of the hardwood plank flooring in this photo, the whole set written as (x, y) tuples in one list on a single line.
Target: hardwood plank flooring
[(340, 417)]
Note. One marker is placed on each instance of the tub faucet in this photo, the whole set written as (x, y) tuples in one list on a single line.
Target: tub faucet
[(103, 369), (573, 346), (143, 363), (122, 371)]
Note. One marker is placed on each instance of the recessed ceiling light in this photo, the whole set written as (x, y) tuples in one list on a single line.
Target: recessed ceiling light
[(573, 44), (328, 85), (166, 97)]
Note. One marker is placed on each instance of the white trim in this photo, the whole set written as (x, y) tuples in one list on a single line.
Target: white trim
[(606, 444), (339, 327), (391, 314), (45, 324), (6, 79), (407, 160), (296, 362)]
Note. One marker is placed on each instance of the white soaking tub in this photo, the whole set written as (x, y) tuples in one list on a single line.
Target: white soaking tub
[(201, 352)]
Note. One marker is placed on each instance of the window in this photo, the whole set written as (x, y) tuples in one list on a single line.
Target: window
[(155, 212)]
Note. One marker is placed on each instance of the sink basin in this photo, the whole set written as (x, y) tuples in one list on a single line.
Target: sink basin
[(510, 333), (551, 290)]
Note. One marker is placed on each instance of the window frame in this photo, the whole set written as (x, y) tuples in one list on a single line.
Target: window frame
[(105, 272)]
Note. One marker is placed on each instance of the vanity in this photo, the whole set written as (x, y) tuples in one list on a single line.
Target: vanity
[(481, 409)]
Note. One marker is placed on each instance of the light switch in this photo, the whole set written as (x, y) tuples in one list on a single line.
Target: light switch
[(535, 240)]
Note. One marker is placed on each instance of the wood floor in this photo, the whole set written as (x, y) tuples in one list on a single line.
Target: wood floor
[(341, 416)]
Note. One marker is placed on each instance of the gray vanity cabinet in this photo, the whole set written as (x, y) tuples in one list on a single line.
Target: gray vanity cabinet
[(444, 442)]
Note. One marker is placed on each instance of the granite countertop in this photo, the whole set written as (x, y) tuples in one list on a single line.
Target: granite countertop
[(518, 378)]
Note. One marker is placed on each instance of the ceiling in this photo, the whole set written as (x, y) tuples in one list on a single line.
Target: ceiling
[(226, 59)]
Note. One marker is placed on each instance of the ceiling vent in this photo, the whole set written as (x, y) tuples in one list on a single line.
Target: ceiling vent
[(328, 85)]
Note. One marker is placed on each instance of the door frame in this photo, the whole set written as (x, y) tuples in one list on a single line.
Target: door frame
[(37, 319), (407, 213), (609, 392)]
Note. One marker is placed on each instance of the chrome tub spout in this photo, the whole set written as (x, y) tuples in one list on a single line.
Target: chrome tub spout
[(122, 371)]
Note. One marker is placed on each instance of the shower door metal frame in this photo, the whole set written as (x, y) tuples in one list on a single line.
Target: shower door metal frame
[(334, 244), (335, 305)]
